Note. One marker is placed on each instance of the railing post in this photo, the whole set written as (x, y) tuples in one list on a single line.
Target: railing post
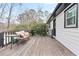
[(1, 39)]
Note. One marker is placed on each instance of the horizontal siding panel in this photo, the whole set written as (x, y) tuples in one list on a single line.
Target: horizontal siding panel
[(68, 45), (69, 33), (69, 37)]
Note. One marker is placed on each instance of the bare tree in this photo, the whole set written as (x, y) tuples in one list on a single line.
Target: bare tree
[(6, 11), (12, 5), (3, 9), (32, 15), (0, 5), (9, 16), (40, 15), (27, 16), (2, 12)]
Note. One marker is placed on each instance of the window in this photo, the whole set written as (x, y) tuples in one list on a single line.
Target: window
[(71, 19)]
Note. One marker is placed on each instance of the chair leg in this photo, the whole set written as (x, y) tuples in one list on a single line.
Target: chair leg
[(11, 46)]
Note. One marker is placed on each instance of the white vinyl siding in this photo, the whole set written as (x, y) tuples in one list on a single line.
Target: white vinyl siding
[(69, 37), (50, 29)]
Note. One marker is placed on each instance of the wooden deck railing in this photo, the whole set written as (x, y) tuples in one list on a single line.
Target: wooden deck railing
[(5, 40)]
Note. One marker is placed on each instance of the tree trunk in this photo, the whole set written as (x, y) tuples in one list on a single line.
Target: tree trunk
[(9, 16)]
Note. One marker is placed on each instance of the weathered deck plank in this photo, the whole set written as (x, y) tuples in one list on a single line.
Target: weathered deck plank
[(37, 46)]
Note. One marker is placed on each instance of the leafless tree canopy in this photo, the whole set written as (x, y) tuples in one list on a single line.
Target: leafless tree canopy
[(29, 15), (33, 15)]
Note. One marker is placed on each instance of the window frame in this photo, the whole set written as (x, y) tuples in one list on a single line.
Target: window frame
[(76, 20)]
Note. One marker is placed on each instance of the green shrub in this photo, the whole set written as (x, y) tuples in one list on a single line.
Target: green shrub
[(35, 28), (39, 29), (20, 27)]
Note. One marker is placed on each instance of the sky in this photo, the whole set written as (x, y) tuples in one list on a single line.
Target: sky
[(25, 6), (44, 6)]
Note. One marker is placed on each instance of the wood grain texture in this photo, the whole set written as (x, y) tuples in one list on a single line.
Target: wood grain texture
[(37, 46)]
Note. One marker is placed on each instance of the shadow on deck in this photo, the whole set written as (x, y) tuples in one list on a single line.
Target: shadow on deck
[(37, 46)]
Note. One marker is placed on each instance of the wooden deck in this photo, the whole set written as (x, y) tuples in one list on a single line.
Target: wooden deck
[(37, 46)]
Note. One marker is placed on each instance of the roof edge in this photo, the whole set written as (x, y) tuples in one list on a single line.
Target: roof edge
[(58, 5)]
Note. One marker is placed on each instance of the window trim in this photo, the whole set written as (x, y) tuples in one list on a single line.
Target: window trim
[(65, 24)]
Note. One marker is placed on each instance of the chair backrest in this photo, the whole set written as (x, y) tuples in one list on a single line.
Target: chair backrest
[(22, 34)]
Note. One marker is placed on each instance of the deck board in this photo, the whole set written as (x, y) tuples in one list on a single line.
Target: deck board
[(37, 46)]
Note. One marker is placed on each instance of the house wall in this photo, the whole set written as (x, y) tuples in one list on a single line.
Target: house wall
[(50, 29), (69, 37)]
